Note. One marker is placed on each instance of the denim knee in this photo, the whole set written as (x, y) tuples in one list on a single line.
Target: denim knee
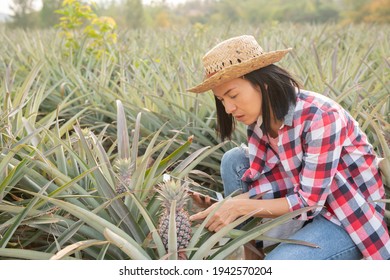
[(333, 241), (233, 165)]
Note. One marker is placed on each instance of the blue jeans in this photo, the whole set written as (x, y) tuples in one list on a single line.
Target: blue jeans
[(333, 241)]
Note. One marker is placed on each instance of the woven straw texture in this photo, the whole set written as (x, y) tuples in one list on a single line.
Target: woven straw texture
[(234, 58)]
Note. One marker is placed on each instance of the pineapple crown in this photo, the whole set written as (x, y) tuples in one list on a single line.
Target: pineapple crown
[(173, 190), (124, 169), (123, 166)]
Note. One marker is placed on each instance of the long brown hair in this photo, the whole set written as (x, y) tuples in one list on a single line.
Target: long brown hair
[(279, 94)]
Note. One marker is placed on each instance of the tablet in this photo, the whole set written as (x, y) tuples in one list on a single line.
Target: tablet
[(203, 191)]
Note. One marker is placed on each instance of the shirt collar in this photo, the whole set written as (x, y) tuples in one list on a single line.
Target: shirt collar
[(259, 121), (288, 118)]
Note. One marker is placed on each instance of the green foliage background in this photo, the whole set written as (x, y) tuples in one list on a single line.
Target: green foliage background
[(151, 70), (133, 14)]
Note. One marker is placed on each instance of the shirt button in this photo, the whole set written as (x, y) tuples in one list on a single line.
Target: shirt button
[(328, 214)]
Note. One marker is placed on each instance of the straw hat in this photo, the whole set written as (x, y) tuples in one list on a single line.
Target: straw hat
[(234, 58)]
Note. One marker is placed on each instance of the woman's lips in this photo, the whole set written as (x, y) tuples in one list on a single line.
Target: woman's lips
[(239, 117)]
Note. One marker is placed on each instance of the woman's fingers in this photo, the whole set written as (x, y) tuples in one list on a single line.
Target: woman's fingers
[(222, 217), (200, 215), (201, 201)]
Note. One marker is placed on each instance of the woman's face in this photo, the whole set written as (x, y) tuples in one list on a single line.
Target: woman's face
[(241, 99)]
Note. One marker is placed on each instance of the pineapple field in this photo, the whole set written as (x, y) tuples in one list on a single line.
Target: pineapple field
[(86, 137)]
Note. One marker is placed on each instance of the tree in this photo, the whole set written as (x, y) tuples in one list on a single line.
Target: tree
[(48, 16), (358, 11), (21, 12), (377, 11), (134, 13)]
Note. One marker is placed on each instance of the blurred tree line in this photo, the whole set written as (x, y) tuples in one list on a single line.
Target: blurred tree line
[(133, 14)]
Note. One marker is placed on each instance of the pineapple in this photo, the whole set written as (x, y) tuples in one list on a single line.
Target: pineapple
[(169, 191), (124, 170)]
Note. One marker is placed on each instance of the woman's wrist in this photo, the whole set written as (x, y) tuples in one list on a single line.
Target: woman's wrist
[(241, 206)]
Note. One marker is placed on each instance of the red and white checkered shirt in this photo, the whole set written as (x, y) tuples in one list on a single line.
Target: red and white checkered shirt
[(323, 159)]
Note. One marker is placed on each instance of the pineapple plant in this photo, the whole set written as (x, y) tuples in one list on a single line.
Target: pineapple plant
[(124, 170), (174, 196)]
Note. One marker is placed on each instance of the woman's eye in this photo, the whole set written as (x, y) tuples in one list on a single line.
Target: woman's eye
[(233, 96)]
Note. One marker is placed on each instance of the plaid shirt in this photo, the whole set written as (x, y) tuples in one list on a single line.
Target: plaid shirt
[(323, 159)]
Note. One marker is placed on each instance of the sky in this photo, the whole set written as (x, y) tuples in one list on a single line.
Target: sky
[(4, 4)]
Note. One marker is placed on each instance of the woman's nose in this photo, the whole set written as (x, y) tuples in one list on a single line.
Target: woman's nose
[(229, 107)]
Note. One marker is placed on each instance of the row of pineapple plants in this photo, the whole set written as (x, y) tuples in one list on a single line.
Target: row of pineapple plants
[(81, 169), (151, 74), (65, 197)]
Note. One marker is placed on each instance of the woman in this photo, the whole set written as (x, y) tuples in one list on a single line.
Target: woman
[(303, 150)]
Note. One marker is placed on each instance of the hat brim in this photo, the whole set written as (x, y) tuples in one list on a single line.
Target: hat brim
[(238, 70)]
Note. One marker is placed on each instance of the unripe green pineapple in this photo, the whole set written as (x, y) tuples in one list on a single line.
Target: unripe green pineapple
[(124, 170), (169, 191)]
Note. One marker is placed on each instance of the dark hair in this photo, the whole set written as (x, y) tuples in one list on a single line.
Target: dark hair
[(278, 95)]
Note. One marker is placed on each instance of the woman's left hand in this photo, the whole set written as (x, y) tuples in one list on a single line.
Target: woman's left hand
[(201, 201), (227, 213)]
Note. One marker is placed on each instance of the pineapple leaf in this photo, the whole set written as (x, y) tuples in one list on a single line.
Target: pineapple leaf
[(26, 254), (258, 233), (78, 246), (384, 167), (94, 221), (117, 209), (134, 252), (151, 227), (11, 230), (193, 160), (134, 146), (172, 232), (174, 156), (122, 134)]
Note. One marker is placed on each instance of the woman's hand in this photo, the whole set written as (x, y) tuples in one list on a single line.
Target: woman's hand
[(226, 213), (201, 201), (232, 208)]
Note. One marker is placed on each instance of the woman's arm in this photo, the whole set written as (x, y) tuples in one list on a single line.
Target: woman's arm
[(241, 205)]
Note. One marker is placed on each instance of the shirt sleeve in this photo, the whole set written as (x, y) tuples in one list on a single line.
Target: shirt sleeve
[(322, 140)]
